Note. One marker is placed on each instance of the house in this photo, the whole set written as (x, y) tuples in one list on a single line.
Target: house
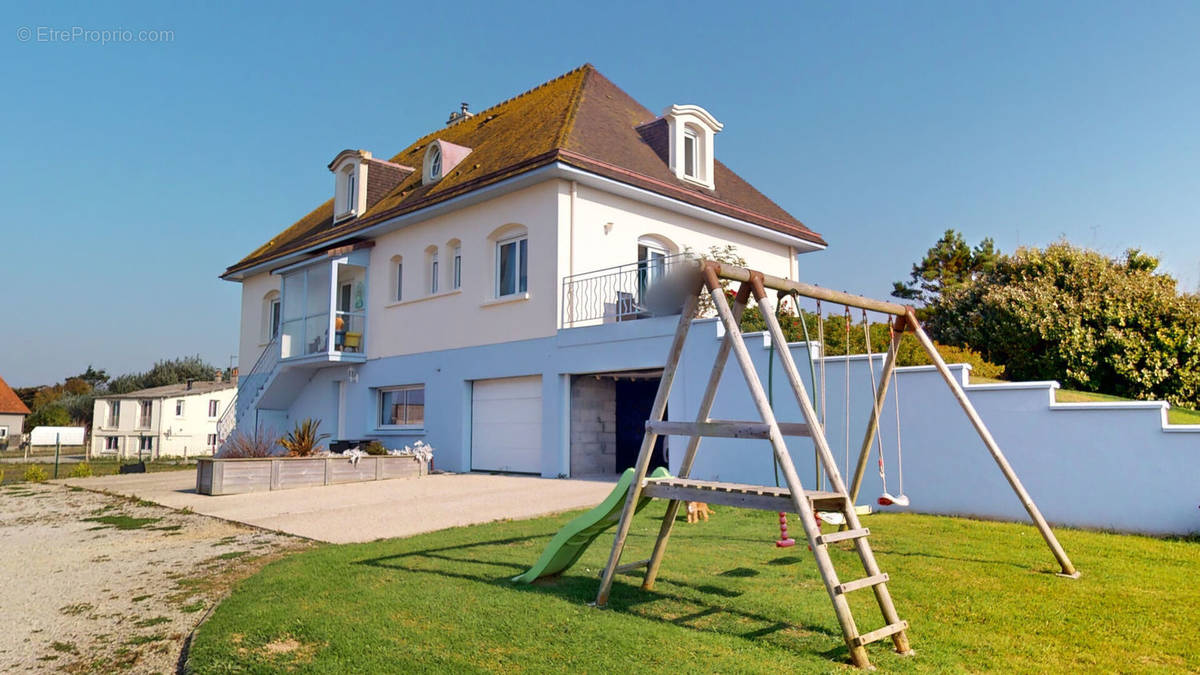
[(176, 420), (486, 289), (12, 415)]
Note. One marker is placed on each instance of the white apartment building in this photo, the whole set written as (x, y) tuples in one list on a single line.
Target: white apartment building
[(177, 420)]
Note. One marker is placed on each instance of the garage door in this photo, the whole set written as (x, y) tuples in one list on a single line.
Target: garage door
[(506, 424)]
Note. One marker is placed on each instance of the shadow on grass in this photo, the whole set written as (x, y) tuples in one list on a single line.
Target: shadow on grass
[(580, 589)]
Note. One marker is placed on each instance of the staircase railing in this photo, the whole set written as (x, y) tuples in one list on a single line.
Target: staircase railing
[(247, 392)]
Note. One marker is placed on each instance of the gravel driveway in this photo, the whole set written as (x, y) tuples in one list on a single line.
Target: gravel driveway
[(96, 583)]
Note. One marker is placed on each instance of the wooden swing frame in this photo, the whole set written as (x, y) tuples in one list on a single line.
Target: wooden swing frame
[(706, 278)]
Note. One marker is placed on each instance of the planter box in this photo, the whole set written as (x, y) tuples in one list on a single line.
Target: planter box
[(235, 476)]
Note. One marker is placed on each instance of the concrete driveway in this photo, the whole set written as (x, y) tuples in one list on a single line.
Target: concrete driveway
[(357, 512)]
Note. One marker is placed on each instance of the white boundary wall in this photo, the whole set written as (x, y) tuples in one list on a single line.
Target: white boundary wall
[(1100, 465)]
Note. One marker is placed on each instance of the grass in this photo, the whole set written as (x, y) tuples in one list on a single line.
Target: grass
[(121, 522), (979, 596), (14, 473), (1174, 415)]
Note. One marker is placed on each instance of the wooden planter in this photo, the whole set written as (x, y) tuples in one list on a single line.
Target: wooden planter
[(233, 476)]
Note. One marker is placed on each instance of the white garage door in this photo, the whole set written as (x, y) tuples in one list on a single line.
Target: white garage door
[(506, 424)]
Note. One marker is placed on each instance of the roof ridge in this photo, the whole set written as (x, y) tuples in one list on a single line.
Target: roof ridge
[(573, 108), (423, 139)]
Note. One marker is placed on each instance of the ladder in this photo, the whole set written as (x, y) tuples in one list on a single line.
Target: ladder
[(792, 498)]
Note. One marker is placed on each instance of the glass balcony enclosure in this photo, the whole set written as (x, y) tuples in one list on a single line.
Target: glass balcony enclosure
[(325, 310)]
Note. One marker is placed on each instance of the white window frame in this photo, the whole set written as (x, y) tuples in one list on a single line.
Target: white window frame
[(456, 270), (179, 407), (433, 274), (146, 443), (114, 414), (274, 318), (379, 394), (212, 442), (691, 169), (351, 190), (3, 431), (435, 161), (214, 407), (149, 419), (112, 443), (500, 244), (399, 280)]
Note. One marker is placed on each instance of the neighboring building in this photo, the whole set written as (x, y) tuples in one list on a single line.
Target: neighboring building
[(177, 420), (12, 415), (478, 290)]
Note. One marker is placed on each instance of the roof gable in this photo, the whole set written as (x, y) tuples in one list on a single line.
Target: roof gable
[(10, 403)]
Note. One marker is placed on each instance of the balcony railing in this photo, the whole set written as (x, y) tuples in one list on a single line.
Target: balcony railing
[(621, 293)]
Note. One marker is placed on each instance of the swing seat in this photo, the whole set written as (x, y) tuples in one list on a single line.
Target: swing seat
[(888, 500)]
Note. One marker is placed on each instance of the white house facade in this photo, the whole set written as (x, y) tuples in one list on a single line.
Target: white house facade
[(485, 290), (178, 420)]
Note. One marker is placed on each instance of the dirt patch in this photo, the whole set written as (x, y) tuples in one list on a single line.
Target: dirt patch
[(98, 583)]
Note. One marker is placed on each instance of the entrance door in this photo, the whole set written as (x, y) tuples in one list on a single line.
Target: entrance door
[(635, 398)]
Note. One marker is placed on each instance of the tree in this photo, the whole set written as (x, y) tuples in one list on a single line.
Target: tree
[(1110, 325), (170, 371), (47, 416), (947, 266)]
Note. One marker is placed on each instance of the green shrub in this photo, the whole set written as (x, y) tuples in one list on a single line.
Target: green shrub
[(980, 366), (1, 477), (375, 448), (36, 474), (81, 470), (303, 439)]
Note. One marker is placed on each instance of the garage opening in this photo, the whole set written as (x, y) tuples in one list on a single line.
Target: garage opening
[(608, 421)]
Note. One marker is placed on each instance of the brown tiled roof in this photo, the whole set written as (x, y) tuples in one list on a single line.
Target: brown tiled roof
[(10, 404), (581, 119)]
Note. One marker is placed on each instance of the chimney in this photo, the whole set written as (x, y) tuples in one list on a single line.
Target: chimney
[(189, 383), (462, 114), (233, 375), (218, 375)]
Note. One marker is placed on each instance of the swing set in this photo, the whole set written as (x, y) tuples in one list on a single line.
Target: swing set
[(839, 499)]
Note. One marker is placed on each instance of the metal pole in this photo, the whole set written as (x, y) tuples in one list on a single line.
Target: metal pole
[(57, 450), (1068, 569)]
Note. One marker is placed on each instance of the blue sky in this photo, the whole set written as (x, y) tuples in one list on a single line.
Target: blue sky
[(135, 173)]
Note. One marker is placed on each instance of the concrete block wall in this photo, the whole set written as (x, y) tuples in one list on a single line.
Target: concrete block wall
[(593, 425)]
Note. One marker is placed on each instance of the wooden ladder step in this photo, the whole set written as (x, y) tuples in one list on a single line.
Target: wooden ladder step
[(886, 631), (764, 497), (843, 535), (726, 429), (873, 580)]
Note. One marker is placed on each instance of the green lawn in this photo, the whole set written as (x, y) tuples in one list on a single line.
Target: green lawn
[(15, 472), (979, 596)]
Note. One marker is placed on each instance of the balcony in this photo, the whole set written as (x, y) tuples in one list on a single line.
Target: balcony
[(325, 311), (626, 292)]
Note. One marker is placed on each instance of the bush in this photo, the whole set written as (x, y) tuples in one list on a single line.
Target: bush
[(375, 448), (36, 474), (81, 470), (240, 444), (1092, 322), (302, 440)]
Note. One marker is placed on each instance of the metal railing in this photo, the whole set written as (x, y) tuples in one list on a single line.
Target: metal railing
[(247, 391), (622, 293)]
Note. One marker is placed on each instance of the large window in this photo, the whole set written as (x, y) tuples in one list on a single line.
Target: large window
[(402, 407), (145, 408), (512, 266), (114, 414)]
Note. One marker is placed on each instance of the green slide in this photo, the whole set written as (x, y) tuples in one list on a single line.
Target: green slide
[(566, 546)]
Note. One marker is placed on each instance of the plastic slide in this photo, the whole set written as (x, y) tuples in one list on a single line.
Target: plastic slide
[(571, 541)]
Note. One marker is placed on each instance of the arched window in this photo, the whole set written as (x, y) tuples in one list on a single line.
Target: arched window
[(434, 160), (431, 269), (654, 256), (351, 190), (397, 278), (454, 250)]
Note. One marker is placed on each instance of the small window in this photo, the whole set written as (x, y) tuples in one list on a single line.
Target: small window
[(433, 274), (212, 441), (435, 161), (114, 414), (179, 408), (276, 318), (146, 443), (3, 432), (690, 144), (212, 407), (402, 407), (351, 190), (512, 266), (456, 272), (110, 443), (399, 281), (145, 410)]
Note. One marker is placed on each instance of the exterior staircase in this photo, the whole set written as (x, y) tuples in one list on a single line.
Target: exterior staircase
[(250, 389)]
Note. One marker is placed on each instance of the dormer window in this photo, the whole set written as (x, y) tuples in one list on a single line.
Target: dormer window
[(435, 161), (690, 134), (440, 159), (350, 181)]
